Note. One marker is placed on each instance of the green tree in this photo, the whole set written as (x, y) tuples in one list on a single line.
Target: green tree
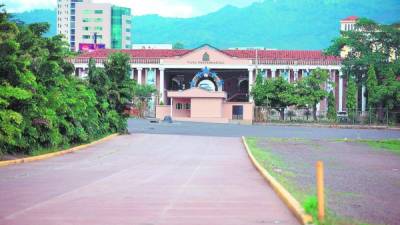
[(331, 106), (42, 106), (142, 94), (371, 44), (311, 91), (276, 93), (372, 87), (351, 97)]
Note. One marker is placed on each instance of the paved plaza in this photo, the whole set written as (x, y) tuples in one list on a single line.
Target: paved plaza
[(143, 179)]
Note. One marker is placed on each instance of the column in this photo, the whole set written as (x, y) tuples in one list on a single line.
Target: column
[(340, 91), (132, 73), (363, 99), (251, 80), (162, 85), (172, 106), (273, 73), (330, 80), (265, 74), (139, 80), (296, 74)]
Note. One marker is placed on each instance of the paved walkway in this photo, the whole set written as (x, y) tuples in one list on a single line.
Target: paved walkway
[(142, 179), (236, 130)]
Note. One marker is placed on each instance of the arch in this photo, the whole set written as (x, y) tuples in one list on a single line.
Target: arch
[(204, 74)]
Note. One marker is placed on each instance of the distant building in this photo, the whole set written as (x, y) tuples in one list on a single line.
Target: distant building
[(348, 23), (88, 26), (66, 11), (151, 46), (207, 84)]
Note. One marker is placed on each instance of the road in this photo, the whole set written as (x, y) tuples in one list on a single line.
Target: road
[(144, 179), (236, 130)]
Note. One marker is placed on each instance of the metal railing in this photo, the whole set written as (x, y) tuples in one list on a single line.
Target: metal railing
[(372, 116)]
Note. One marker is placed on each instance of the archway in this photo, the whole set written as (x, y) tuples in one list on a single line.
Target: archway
[(207, 80)]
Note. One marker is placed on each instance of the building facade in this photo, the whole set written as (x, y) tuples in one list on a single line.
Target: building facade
[(88, 26), (212, 85)]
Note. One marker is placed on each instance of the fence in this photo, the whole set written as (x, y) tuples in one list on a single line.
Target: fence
[(354, 116)]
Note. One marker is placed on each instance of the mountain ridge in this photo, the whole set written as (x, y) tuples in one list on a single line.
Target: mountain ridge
[(275, 24)]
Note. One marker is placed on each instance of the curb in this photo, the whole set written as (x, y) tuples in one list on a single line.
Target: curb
[(285, 196), (53, 154)]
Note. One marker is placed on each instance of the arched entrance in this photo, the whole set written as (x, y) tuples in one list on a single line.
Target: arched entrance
[(207, 80)]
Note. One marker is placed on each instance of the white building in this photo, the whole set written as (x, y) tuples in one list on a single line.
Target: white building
[(93, 20), (92, 25)]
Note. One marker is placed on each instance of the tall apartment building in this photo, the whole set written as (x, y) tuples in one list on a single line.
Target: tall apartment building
[(85, 23)]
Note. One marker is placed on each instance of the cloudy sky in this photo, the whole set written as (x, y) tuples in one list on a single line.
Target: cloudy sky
[(170, 8)]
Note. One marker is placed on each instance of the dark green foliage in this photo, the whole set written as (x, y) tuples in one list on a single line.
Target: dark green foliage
[(331, 106), (114, 90), (310, 90), (41, 105), (373, 61), (351, 98), (276, 93)]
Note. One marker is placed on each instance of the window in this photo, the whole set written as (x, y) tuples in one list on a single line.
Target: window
[(128, 30), (127, 46), (86, 36), (99, 37), (128, 38), (86, 20), (179, 106), (128, 22), (98, 11), (87, 11), (98, 28), (187, 106), (86, 28), (97, 20)]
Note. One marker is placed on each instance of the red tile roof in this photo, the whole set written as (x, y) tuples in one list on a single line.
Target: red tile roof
[(350, 18), (244, 54)]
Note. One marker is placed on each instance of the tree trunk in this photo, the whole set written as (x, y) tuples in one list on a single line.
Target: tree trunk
[(381, 112), (314, 112), (282, 113)]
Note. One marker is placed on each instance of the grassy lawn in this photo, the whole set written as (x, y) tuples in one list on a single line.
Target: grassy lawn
[(279, 170), (390, 145)]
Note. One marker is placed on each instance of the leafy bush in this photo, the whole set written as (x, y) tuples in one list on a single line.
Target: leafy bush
[(42, 106)]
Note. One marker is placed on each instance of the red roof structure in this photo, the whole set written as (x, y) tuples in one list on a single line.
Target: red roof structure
[(264, 56), (350, 18), (244, 54)]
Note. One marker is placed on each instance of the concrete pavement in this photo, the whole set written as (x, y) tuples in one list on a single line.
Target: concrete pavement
[(236, 130), (142, 179)]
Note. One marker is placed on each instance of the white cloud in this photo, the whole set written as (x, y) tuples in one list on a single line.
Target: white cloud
[(168, 8)]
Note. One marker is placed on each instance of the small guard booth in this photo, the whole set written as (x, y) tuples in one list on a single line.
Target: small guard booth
[(201, 105)]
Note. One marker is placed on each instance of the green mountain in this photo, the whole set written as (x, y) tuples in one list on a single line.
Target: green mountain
[(39, 15), (281, 24)]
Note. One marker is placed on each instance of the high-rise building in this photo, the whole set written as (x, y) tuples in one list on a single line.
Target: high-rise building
[(89, 25), (121, 24), (66, 17)]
